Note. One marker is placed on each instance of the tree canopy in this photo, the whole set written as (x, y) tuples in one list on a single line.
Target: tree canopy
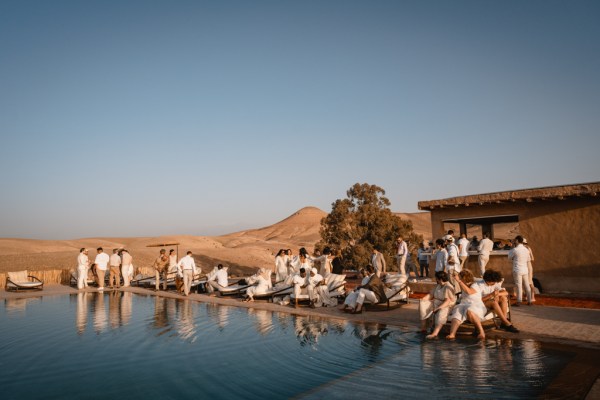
[(361, 222)]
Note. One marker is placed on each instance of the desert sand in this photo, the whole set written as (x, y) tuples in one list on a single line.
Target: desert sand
[(243, 251)]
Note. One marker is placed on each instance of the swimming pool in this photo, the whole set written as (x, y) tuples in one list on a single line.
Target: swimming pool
[(118, 345)]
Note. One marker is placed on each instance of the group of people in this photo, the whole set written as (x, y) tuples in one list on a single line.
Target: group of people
[(477, 296), (120, 263)]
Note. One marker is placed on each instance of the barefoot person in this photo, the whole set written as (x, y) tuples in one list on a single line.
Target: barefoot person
[(471, 306), (495, 297), (437, 304)]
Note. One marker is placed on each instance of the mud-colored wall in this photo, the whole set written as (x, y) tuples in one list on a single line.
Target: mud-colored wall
[(563, 234)]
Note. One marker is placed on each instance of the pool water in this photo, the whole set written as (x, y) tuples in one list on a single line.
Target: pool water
[(121, 345)]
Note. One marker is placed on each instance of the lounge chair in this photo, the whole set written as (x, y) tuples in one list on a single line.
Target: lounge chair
[(336, 285), (397, 292), (234, 288), (21, 280)]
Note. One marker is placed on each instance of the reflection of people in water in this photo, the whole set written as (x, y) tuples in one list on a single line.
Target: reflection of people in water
[(126, 307), (263, 320), (161, 316), (185, 321), (81, 313), (100, 320), (219, 313), (114, 309), (309, 329)]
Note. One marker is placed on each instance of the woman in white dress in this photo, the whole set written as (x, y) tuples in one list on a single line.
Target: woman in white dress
[(281, 270), (471, 306), (436, 305), (530, 269), (262, 283), (302, 261)]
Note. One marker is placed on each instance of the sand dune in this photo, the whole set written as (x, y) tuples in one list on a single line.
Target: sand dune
[(243, 251)]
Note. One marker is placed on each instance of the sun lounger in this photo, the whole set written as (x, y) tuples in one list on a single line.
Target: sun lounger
[(21, 280), (336, 285), (397, 292)]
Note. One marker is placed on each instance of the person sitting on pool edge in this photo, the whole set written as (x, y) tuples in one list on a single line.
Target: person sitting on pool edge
[(436, 305), (471, 306), (495, 297)]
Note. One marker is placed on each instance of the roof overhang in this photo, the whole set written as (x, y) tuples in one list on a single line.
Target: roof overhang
[(550, 193)]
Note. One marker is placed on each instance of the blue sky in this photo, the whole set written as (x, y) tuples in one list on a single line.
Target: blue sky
[(144, 118)]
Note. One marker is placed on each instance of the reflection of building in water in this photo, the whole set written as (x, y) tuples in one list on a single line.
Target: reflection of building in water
[(263, 320), (185, 323), (126, 305), (100, 320), (114, 309), (81, 312), (309, 329)]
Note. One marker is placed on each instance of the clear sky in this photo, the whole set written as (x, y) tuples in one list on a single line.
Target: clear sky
[(144, 118)]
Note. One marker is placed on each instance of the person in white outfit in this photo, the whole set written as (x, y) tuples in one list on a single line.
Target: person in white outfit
[(281, 270), (126, 267), (453, 266), (187, 268), (350, 301), (530, 269), (83, 263), (463, 249), (262, 283), (441, 255), (314, 280), (519, 256), (436, 305), (401, 255), (485, 248), (495, 297), (324, 262), (300, 284), (102, 259), (471, 306), (218, 281)]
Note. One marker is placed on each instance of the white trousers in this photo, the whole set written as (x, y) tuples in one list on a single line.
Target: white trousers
[(401, 261), (365, 294), (82, 272), (483, 260), (522, 279), (125, 271), (188, 275)]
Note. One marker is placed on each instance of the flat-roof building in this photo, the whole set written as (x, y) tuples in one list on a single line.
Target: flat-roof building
[(560, 223)]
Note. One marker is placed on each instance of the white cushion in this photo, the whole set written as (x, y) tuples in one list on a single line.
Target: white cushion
[(18, 277)]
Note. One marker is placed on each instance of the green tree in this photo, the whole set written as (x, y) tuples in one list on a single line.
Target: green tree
[(361, 222)]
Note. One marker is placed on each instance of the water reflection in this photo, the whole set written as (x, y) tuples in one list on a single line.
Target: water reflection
[(185, 322), (19, 306), (219, 314), (82, 312), (372, 336), (263, 320), (309, 329)]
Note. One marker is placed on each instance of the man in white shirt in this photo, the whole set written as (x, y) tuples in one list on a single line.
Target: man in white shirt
[(484, 249), (300, 284), (101, 261), (495, 297), (314, 280), (441, 255), (519, 255), (452, 262), (463, 249), (114, 278), (401, 255), (218, 280), (187, 269), (378, 262), (83, 262)]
